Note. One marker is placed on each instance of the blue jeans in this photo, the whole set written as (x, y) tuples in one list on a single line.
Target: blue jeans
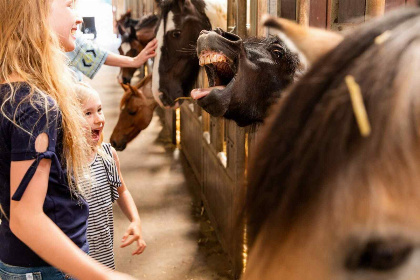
[(10, 272)]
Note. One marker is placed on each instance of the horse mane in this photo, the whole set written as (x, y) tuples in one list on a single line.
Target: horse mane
[(167, 5), (312, 140), (147, 21)]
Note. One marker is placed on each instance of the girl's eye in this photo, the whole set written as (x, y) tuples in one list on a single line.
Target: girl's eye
[(88, 113), (100, 110)]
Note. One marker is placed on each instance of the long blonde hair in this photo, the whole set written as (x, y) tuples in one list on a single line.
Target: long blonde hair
[(30, 50)]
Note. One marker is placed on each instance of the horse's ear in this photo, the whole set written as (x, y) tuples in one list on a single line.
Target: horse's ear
[(124, 86), (309, 41), (133, 89), (128, 13), (121, 30)]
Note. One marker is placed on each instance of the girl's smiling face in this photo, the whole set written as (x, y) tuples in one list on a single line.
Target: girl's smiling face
[(92, 109), (64, 20)]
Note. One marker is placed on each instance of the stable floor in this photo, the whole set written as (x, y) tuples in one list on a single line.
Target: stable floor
[(181, 242)]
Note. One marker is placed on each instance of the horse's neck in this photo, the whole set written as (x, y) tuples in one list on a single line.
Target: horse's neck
[(216, 11)]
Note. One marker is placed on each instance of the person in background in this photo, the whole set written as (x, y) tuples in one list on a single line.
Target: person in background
[(87, 58)]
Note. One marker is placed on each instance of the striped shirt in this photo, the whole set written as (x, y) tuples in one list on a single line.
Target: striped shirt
[(103, 192)]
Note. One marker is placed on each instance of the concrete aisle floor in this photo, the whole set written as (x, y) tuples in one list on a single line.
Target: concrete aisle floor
[(180, 241)]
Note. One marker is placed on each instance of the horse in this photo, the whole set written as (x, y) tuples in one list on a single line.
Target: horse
[(176, 68), (136, 112), (126, 21), (245, 76), (334, 193), (130, 46)]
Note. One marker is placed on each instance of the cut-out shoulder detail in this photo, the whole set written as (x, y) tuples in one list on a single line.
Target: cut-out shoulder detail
[(41, 143), (31, 172)]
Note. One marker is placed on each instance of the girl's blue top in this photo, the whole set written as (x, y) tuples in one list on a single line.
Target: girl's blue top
[(22, 119)]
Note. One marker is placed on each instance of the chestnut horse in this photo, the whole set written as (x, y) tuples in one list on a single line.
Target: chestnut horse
[(137, 106), (326, 200)]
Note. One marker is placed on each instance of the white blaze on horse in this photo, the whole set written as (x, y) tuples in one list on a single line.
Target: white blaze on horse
[(176, 66), (324, 200)]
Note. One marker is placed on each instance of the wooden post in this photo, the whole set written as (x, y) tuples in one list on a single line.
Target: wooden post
[(375, 8), (302, 16)]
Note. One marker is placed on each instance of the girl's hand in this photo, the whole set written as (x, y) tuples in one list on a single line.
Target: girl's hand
[(145, 54), (132, 234)]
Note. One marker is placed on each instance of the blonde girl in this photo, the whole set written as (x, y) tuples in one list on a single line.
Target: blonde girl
[(107, 186), (43, 151)]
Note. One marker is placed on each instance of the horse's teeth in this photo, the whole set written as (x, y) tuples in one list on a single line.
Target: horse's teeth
[(221, 58), (208, 60), (201, 61)]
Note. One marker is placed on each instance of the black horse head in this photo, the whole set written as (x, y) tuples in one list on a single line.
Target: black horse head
[(245, 77), (176, 65)]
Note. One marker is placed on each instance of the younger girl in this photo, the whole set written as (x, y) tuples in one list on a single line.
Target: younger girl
[(107, 186)]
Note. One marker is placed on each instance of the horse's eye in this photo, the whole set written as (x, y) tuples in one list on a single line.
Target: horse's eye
[(277, 53), (380, 256), (132, 113), (176, 33)]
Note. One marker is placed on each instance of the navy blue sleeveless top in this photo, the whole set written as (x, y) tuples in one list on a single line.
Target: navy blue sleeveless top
[(68, 211)]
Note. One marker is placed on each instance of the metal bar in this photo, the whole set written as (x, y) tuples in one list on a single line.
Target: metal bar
[(329, 14), (241, 18), (262, 9), (375, 8), (302, 14)]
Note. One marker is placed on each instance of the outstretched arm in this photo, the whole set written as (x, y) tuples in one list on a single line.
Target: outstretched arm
[(127, 205), (132, 62)]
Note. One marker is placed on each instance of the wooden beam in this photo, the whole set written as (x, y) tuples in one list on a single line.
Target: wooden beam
[(351, 11), (288, 9)]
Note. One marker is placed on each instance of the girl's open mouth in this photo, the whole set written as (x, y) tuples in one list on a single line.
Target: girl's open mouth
[(96, 134)]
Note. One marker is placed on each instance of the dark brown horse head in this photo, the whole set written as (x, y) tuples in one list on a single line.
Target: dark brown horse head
[(328, 198), (130, 46), (136, 112), (176, 66), (245, 77)]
